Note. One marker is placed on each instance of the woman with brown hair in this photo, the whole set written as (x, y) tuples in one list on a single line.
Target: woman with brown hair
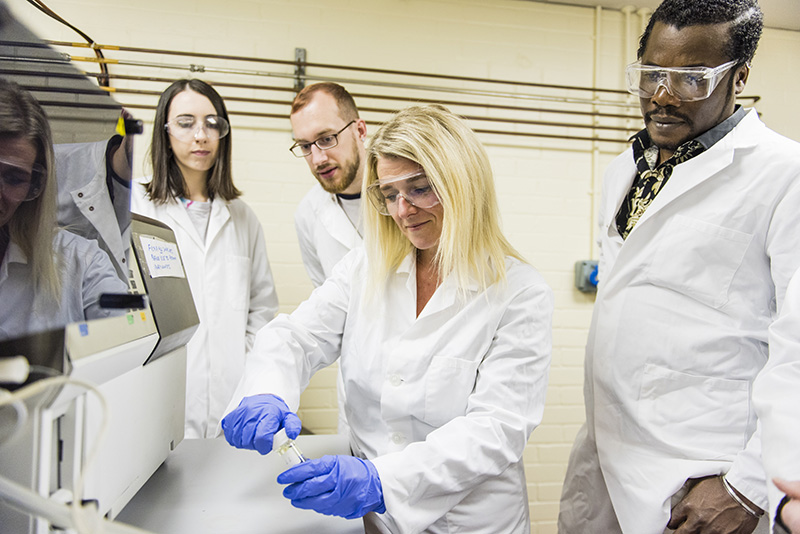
[(220, 240)]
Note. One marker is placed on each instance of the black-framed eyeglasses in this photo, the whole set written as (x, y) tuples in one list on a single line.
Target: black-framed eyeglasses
[(325, 142)]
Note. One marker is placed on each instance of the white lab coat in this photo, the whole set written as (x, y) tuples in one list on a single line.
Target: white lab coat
[(443, 403), (86, 273), (679, 329), (84, 204), (776, 396), (325, 233), (233, 291)]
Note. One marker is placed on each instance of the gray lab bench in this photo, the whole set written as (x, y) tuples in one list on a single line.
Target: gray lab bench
[(209, 487)]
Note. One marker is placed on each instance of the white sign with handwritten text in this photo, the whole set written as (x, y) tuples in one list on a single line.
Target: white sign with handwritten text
[(162, 258)]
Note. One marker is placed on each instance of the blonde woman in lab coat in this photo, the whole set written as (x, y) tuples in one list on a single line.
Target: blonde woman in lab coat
[(220, 240), (48, 277), (444, 339)]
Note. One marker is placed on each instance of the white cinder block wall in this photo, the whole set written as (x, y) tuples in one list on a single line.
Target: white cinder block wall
[(547, 189)]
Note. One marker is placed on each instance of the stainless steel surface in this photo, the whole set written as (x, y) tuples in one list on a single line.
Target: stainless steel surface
[(208, 487)]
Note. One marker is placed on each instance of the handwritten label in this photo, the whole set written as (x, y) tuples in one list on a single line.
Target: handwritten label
[(162, 258)]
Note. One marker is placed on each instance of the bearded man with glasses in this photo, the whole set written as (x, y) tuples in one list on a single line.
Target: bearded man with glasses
[(329, 134), (699, 236)]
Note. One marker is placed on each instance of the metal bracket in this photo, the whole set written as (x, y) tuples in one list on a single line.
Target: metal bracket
[(299, 69)]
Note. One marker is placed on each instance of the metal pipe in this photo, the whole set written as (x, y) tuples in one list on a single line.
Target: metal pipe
[(366, 109), (594, 112), (378, 123), (374, 96), (307, 64), (287, 103), (393, 85)]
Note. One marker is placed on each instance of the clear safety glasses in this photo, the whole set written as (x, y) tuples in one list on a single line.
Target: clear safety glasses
[(186, 127), (686, 83), (303, 149), (18, 183), (414, 188)]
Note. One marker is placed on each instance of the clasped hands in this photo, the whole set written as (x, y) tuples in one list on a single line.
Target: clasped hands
[(340, 485)]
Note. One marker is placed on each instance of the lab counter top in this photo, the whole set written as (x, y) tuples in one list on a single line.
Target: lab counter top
[(209, 487)]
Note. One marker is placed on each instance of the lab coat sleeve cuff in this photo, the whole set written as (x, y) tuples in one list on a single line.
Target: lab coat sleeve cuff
[(401, 515), (747, 473), (391, 498), (752, 487)]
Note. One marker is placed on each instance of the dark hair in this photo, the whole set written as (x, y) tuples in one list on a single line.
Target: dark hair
[(344, 100), (167, 181), (744, 16)]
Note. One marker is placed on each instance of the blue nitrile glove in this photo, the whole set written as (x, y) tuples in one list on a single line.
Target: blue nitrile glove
[(253, 423), (335, 485)]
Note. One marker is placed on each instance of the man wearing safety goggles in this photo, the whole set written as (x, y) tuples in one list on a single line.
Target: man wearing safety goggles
[(699, 236)]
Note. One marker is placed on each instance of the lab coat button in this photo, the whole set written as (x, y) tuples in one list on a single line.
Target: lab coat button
[(398, 438), (395, 380)]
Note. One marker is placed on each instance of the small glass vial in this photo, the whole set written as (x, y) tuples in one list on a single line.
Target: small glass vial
[(287, 449)]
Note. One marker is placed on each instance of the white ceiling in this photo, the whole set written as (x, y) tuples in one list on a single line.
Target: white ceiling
[(784, 14)]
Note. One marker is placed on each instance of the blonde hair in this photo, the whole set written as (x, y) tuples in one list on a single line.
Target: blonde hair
[(33, 225), (471, 247)]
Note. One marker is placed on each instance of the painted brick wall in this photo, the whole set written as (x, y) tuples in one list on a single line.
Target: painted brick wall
[(548, 190)]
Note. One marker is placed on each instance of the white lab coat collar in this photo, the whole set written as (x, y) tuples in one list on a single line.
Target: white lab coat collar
[(445, 296), (14, 254), (92, 199), (694, 172), (338, 224), (219, 216)]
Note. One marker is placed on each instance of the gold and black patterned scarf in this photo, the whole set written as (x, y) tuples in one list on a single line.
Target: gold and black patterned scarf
[(650, 178)]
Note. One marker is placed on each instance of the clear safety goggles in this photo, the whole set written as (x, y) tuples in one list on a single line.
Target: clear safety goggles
[(186, 127), (685, 83), (20, 184), (414, 188)]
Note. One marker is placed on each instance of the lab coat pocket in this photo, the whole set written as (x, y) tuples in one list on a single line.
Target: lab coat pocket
[(698, 259), (237, 282), (448, 384), (701, 417)]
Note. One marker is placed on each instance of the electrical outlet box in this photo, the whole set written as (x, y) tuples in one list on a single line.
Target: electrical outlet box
[(586, 276)]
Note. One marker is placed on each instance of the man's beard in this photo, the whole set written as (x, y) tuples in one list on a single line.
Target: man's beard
[(348, 175)]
